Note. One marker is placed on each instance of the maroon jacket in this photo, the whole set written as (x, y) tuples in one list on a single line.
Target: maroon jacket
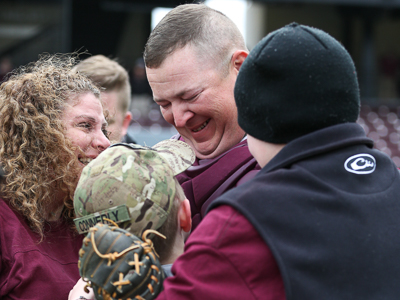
[(216, 266), (209, 178), (32, 270)]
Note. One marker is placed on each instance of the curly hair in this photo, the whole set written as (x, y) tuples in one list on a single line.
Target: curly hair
[(39, 161)]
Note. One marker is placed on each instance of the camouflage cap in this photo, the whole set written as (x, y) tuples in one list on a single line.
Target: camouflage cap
[(131, 184)]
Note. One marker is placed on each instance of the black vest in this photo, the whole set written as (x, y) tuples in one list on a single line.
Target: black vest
[(328, 207)]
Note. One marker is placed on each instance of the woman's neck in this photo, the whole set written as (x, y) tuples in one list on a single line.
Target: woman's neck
[(54, 214), (54, 210)]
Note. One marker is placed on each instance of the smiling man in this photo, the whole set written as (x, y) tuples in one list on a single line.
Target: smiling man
[(192, 60)]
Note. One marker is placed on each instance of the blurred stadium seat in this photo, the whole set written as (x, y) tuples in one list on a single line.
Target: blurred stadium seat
[(382, 124)]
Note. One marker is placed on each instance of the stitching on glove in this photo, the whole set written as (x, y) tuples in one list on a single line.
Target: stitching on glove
[(148, 250)]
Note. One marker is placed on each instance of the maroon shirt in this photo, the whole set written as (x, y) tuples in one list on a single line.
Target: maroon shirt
[(209, 178), (32, 270), (225, 258)]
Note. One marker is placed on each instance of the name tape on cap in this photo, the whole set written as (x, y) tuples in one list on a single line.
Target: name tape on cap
[(118, 214)]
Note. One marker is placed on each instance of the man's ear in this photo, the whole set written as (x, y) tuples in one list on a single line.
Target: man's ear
[(184, 215), (125, 123), (238, 58)]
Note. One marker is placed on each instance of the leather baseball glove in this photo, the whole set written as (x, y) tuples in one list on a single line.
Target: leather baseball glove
[(119, 265)]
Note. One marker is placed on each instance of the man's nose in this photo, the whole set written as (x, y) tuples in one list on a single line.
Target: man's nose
[(181, 114)]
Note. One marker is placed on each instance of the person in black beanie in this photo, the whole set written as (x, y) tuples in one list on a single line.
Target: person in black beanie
[(296, 80), (320, 220)]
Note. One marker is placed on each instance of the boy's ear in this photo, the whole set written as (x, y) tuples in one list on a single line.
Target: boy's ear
[(184, 215)]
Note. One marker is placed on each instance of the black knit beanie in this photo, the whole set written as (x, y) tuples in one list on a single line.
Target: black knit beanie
[(296, 80)]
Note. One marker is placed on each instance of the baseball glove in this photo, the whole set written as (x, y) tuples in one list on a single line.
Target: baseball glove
[(118, 265)]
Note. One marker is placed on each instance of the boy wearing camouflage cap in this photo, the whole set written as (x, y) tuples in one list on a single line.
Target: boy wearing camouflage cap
[(135, 187)]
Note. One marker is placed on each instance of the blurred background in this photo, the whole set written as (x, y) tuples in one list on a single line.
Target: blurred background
[(368, 29)]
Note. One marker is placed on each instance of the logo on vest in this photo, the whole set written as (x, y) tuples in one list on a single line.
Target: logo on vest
[(360, 164)]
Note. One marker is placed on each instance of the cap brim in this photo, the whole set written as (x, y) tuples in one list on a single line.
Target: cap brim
[(178, 154)]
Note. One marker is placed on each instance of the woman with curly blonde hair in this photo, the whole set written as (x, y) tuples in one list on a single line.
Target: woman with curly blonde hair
[(51, 125)]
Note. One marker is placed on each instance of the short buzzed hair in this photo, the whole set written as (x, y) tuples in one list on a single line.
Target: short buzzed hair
[(162, 246), (211, 32), (109, 75)]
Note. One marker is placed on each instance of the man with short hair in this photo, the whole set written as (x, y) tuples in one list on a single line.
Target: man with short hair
[(192, 60), (321, 218), (116, 96)]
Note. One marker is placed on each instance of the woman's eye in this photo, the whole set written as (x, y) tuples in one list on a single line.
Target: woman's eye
[(85, 125)]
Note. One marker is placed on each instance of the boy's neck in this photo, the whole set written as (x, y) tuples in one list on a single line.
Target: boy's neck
[(177, 249)]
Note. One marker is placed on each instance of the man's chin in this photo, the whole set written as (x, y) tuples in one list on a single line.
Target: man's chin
[(207, 153), (203, 150), (209, 150)]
